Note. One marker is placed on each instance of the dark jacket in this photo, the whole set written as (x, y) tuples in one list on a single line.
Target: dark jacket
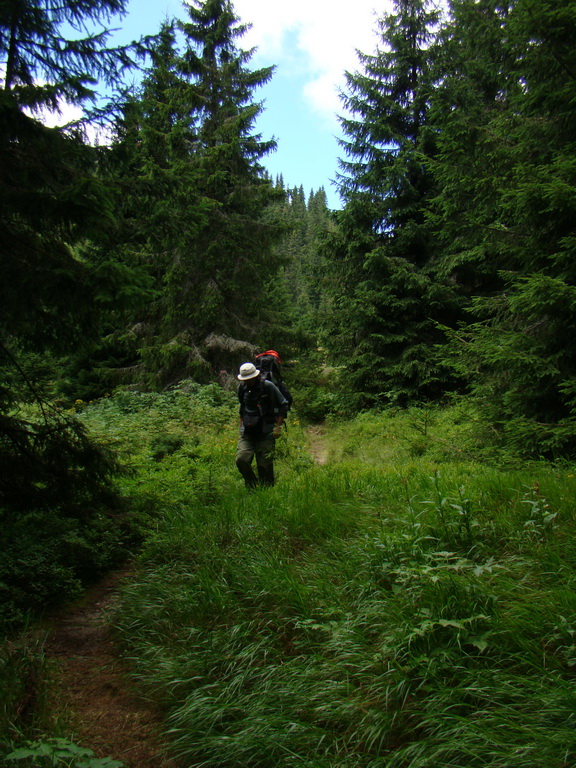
[(260, 407)]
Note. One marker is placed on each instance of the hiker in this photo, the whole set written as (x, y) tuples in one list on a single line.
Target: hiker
[(263, 409)]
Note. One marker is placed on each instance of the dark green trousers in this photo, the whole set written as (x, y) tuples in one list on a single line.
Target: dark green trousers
[(263, 449)]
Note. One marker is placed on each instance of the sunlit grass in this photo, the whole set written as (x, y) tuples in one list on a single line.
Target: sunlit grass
[(406, 604)]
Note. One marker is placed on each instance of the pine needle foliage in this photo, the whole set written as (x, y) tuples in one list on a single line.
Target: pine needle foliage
[(198, 207), (505, 178), (386, 301), (56, 485)]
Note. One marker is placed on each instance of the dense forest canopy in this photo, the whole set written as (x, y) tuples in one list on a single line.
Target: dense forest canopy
[(171, 254), (449, 270)]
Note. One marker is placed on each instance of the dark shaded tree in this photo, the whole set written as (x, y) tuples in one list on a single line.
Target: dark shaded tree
[(201, 207), (386, 301), (232, 258), (54, 284), (308, 220), (159, 213), (472, 164), (510, 143)]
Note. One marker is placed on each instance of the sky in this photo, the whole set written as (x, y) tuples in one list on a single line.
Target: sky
[(311, 43)]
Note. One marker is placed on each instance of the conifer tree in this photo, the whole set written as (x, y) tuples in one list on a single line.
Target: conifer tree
[(160, 211), (221, 283), (385, 299), (199, 205), (319, 223), (471, 165), (308, 221), (386, 138), (50, 197), (516, 248), (51, 203)]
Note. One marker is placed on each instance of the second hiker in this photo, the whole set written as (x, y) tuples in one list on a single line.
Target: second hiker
[(263, 409)]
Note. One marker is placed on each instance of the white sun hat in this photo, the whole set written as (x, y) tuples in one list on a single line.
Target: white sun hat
[(248, 371)]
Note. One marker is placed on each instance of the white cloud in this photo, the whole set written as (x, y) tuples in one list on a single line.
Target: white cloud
[(322, 94), (71, 113), (68, 113), (327, 34)]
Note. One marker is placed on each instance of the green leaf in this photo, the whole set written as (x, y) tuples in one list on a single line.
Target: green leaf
[(21, 754)]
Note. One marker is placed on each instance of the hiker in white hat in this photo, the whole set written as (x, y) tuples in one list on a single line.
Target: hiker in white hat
[(263, 409)]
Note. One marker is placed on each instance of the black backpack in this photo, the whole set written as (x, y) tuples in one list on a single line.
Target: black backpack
[(270, 366)]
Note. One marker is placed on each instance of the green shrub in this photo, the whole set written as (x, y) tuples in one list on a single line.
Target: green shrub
[(58, 752), (24, 706)]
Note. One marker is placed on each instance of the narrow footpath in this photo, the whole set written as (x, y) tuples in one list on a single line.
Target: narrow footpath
[(92, 687), (316, 444)]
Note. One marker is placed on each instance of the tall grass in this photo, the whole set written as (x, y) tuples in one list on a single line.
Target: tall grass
[(23, 673), (404, 605)]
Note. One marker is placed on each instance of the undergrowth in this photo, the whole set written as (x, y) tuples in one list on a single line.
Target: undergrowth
[(407, 604)]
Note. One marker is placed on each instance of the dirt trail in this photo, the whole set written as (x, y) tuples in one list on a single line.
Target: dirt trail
[(316, 444), (92, 686)]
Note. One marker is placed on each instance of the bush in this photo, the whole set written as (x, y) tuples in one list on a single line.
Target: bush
[(59, 753), (46, 558)]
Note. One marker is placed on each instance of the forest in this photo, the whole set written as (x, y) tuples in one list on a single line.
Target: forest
[(403, 597)]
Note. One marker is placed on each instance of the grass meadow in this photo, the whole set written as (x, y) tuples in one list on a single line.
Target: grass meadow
[(409, 603)]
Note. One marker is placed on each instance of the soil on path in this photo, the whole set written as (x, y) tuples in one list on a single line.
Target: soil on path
[(317, 445), (92, 687)]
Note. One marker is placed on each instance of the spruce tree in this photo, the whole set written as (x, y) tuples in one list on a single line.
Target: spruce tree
[(518, 261), (385, 298), (51, 204), (198, 203), (50, 197), (308, 222), (160, 213), (472, 163), (221, 284), (382, 177), (319, 222)]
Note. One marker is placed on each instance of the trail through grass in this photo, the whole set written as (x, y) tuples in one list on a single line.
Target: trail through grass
[(404, 604), (91, 688)]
